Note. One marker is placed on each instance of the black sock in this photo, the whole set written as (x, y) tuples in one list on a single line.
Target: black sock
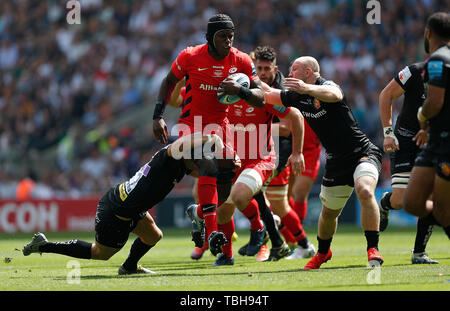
[(73, 248), (372, 238), (303, 243), (424, 231), (137, 250), (447, 231), (324, 245), (430, 220), (386, 202), (267, 217)]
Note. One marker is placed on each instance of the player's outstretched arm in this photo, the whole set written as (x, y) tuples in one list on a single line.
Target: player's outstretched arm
[(186, 143), (392, 91), (165, 92), (256, 99), (271, 95), (254, 95), (329, 93)]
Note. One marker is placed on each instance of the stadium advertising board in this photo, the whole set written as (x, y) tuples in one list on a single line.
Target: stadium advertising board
[(47, 215)]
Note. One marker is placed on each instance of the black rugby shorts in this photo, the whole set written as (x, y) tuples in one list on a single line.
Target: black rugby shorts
[(403, 159), (110, 230), (429, 158), (339, 173)]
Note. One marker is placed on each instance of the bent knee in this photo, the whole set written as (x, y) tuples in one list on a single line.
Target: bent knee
[(239, 199), (225, 213), (365, 193), (153, 238), (102, 254), (159, 235), (330, 214)]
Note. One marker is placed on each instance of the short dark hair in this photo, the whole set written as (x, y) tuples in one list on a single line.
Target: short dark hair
[(439, 24), (266, 53)]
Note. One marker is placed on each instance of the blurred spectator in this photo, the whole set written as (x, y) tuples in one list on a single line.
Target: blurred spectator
[(60, 81), (24, 189)]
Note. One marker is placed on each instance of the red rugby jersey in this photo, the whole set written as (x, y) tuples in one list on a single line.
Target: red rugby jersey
[(203, 76), (310, 140), (185, 106), (252, 130)]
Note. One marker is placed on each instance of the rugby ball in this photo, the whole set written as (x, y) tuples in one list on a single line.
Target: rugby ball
[(240, 78)]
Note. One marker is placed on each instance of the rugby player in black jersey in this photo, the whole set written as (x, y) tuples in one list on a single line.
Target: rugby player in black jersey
[(352, 161), (403, 144), (123, 209), (431, 172)]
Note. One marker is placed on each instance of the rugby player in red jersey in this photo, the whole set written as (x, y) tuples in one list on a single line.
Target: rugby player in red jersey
[(254, 146), (277, 188), (282, 203), (205, 67), (302, 184), (299, 188)]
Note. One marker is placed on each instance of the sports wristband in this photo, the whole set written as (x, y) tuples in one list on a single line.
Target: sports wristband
[(422, 119), (159, 109), (388, 132), (244, 92)]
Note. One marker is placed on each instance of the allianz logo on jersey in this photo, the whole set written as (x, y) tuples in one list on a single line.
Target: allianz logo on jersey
[(243, 128), (207, 87)]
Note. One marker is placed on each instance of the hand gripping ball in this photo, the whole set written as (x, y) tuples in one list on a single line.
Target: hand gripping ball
[(240, 78)]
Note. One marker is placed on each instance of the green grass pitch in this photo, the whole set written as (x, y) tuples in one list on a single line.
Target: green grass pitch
[(177, 272)]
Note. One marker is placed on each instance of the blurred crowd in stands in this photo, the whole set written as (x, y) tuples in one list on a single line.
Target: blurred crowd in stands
[(63, 86)]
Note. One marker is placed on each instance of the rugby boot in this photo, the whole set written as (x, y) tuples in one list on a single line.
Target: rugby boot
[(374, 258), (139, 270), (216, 240), (317, 260), (243, 250), (198, 226), (278, 252), (301, 252), (422, 258), (38, 240), (257, 239), (197, 253), (263, 253), (223, 260)]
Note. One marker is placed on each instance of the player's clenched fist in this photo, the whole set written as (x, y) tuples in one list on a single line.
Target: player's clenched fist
[(160, 131)]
